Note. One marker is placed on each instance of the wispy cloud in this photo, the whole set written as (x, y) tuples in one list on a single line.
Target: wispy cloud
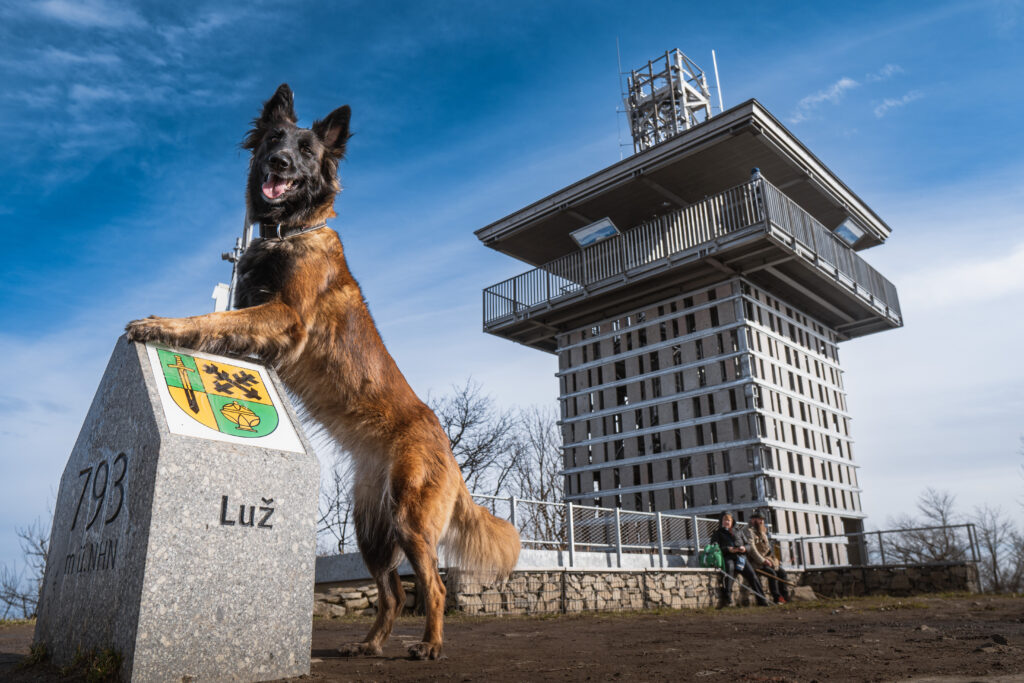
[(90, 13), (968, 282), (81, 93), (58, 56), (835, 92), (884, 74), (832, 94), (178, 36), (892, 103), (108, 70), (43, 96)]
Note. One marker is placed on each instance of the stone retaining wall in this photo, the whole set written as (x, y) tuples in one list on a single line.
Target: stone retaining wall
[(899, 580), (342, 599), (571, 591), (544, 592), (567, 591)]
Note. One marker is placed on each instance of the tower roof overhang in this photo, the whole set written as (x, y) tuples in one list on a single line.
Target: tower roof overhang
[(716, 154)]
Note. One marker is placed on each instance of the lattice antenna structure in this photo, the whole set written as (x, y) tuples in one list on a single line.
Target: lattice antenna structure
[(665, 97)]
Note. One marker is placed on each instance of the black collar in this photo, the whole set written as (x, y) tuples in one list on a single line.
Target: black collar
[(276, 231)]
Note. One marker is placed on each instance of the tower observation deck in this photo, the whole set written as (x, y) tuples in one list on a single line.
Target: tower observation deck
[(698, 340)]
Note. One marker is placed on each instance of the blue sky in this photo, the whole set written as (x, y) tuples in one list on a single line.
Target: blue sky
[(122, 183)]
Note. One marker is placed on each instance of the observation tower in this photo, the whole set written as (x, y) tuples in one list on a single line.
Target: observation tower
[(696, 294)]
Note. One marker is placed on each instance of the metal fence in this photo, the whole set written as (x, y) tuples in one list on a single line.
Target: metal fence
[(581, 528), (955, 543), (757, 202)]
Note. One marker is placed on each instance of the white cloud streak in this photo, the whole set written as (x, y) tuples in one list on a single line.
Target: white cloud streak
[(884, 74), (81, 93), (90, 13), (890, 103), (834, 93), (57, 56), (37, 98)]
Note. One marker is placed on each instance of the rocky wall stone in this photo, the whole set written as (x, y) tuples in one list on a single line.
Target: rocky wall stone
[(897, 580), (567, 591), (338, 600)]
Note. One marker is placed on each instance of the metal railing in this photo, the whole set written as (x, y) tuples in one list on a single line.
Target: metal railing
[(828, 252), (755, 203), (956, 543), (580, 528)]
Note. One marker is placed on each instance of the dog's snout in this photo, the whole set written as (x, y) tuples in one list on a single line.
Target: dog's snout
[(279, 161)]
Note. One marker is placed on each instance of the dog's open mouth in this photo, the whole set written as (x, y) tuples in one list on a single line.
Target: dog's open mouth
[(274, 186)]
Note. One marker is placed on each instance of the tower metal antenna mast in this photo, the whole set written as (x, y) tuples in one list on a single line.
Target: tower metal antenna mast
[(618, 56), (665, 97), (718, 85)]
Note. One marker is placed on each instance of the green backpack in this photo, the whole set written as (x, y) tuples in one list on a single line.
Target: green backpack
[(711, 557)]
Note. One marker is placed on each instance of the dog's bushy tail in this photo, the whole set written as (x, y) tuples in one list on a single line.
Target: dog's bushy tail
[(480, 544)]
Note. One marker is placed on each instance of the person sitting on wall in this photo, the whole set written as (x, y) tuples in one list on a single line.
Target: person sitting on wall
[(734, 556), (759, 553)]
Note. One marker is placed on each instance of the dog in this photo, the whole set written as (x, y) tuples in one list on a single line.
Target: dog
[(300, 309)]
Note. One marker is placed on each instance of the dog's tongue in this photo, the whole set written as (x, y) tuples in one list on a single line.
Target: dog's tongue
[(274, 187)]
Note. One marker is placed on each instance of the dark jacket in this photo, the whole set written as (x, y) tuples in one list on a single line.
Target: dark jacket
[(725, 540)]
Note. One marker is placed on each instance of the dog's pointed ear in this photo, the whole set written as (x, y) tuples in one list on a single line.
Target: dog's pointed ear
[(280, 108), (333, 130)]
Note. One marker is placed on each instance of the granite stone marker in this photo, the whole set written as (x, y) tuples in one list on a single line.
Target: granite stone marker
[(184, 531)]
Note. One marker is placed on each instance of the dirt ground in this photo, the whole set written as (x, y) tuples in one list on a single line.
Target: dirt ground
[(958, 638)]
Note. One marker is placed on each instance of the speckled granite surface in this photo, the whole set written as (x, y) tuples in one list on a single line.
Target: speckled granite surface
[(191, 557)]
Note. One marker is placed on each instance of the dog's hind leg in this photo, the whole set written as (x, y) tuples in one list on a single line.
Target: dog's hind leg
[(378, 546), (392, 607), (390, 600), (422, 554)]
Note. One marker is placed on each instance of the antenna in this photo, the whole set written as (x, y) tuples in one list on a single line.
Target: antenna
[(718, 86), (618, 125)]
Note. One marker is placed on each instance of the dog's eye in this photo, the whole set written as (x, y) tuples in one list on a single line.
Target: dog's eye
[(276, 135), (307, 150)]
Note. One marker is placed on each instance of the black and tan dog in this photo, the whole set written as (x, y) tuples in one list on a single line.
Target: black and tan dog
[(301, 309)]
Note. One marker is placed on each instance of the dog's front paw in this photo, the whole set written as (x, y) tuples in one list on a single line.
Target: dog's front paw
[(154, 329), (146, 329), (424, 650)]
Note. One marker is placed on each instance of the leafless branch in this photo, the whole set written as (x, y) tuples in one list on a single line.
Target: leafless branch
[(335, 512), (1000, 542), (535, 475), (19, 590), (481, 436), (1001, 547)]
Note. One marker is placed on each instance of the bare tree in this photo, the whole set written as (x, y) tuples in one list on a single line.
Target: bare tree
[(481, 435), (19, 590), (1001, 547), (1021, 452), (335, 522), (1000, 542), (535, 476), (918, 544)]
